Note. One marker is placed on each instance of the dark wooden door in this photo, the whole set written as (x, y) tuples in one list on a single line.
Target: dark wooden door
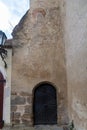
[(1, 98), (45, 105)]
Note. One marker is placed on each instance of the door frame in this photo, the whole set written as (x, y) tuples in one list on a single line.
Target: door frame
[(39, 84)]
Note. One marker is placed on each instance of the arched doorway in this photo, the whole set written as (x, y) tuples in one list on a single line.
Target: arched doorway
[(45, 104), (1, 99)]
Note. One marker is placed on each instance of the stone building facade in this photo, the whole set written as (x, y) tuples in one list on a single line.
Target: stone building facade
[(49, 49), (38, 58)]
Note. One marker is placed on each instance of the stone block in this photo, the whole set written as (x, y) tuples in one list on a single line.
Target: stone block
[(28, 109), (17, 115), (18, 100), (13, 93), (24, 94), (26, 119), (26, 116), (13, 108), (29, 99), (17, 121)]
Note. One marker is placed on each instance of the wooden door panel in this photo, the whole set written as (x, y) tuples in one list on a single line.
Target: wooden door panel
[(45, 105)]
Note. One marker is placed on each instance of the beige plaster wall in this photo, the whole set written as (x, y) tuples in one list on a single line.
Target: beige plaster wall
[(39, 52), (75, 30)]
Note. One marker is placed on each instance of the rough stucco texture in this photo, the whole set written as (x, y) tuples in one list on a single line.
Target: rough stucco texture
[(39, 53), (76, 54)]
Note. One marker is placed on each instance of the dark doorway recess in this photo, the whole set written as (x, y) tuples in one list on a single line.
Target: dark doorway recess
[(1, 99), (45, 105)]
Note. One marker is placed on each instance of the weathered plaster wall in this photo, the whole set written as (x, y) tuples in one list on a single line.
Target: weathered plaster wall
[(75, 30), (38, 55), (43, 4)]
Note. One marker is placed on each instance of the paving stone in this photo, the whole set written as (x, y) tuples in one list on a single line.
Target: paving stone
[(48, 127), (38, 127)]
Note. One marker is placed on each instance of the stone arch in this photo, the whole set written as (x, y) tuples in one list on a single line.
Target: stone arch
[(44, 104)]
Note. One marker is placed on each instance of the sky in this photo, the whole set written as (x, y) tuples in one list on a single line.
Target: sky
[(11, 11)]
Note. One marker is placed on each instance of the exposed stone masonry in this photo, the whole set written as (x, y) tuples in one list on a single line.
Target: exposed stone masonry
[(50, 44), (21, 108)]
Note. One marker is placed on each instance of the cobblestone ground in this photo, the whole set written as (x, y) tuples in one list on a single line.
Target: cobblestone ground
[(40, 127), (54, 127)]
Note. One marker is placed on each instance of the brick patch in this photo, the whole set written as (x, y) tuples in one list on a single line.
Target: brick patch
[(39, 10)]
